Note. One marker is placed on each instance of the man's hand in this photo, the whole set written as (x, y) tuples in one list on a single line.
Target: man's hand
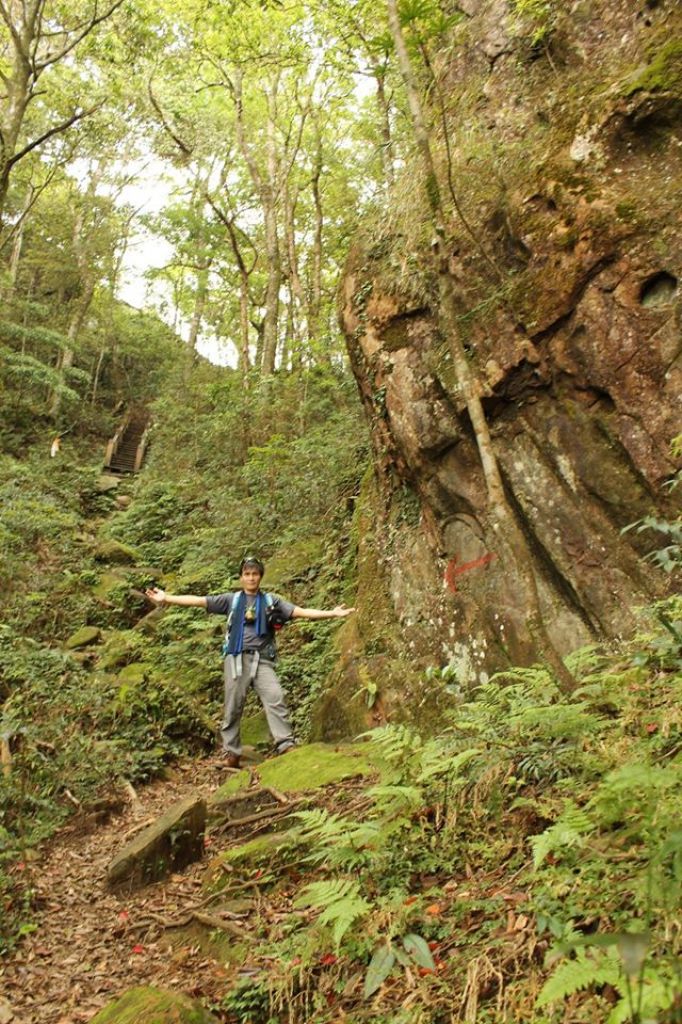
[(155, 595), (341, 611)]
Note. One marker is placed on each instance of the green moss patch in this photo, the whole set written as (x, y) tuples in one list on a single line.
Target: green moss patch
[(83, 637), (154, 1006), (239, 780), (264, 852), (211, 942), (293, 563), (664, 73), (254, 730), (108, 582), (134, 674), (315, 765), (305, 768), (115, 552)]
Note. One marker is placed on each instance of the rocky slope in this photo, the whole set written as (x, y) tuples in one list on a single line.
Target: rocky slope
[(566, 145)]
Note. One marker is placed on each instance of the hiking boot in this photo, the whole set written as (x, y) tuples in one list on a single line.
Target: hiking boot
[(232, 761), (285, 747)]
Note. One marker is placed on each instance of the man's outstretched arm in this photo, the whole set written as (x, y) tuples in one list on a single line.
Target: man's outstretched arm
[(339, 612), (160, 597)]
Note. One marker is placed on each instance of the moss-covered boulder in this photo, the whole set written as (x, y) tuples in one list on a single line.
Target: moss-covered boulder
[(114, 552), (120, 648), (254, 730), (108, 582), (149, 622), (106, 483), (83, 637), (134, 674), (306, 768), (154, 1006), (267, 854), (173, 841)]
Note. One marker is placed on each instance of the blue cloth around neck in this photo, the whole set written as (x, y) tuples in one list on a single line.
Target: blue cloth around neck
[(235, 640)]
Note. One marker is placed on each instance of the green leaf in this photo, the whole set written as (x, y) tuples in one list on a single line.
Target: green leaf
[(380, 966), (419, 951)]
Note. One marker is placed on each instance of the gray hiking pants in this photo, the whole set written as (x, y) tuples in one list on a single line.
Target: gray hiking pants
[(268, 687)]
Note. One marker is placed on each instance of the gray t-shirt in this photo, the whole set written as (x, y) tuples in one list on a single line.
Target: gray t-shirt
[(221, 604)]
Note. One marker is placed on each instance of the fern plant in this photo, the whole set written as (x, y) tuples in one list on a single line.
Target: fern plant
[(339, 900), (337, 842), (568, 832)]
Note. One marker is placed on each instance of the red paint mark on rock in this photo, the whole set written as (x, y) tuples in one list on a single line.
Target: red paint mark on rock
[(452, 570)]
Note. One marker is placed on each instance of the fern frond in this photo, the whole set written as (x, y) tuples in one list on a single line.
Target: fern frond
[(341, 900), (589, 968), (395, 741), (567, 832), (435, 761), (634, 788), (560, 721), (335, 840), (391, 799)]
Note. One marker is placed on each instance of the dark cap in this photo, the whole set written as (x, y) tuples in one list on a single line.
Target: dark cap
[(251, 560)]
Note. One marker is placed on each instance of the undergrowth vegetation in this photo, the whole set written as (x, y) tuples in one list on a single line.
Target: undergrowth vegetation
[(525, 865), (82, 713)]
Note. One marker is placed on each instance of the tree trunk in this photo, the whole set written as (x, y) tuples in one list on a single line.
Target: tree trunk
[(296, 293), (18, 86), (387, 161), (468, 385), (272, 252), (315, 294), (200, 301), (67, 356)]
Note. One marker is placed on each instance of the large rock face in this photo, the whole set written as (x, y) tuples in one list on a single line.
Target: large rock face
[(567, 164)]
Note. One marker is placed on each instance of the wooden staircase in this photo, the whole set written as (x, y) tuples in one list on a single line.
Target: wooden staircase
[(125, 451)]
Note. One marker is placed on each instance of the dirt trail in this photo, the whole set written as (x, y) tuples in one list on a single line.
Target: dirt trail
[(90, 944)]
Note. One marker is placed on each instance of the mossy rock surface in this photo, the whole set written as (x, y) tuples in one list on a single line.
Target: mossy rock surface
[(254, 730), (115, 552), (83, 637), (211, 942), (266, 852), (134, 674), (306, 768), (664, 72), (107, 482), (108, 582), (120, 649), (293, 563), (154, 1006), (175, 840)]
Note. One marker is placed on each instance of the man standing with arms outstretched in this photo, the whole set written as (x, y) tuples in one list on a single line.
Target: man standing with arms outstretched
[(250, 651)]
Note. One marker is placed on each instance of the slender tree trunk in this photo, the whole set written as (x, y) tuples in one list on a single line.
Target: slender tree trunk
[(271, 318), (83, 258), (68, 353), (95, 376), (387, 159), (272, 252), (244, 361), (266, 187), (468, 384), (296, 292), (17, 245), (200, 302), (315, 296)]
